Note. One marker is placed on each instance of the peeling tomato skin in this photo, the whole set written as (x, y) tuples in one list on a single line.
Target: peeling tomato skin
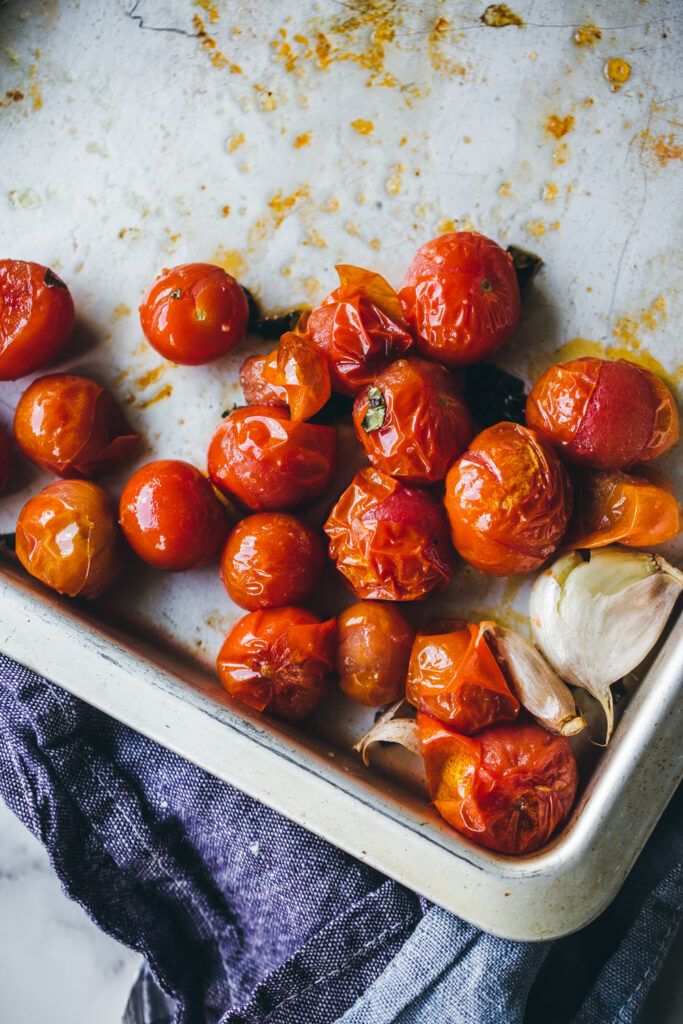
[(6, 457), (257, 390), (373, 649), (637, 509), (36, 318)]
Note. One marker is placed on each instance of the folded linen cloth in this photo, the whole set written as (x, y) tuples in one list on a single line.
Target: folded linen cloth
[(245, 918)]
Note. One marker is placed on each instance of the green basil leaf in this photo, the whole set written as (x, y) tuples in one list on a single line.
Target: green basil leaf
[(377, 410)]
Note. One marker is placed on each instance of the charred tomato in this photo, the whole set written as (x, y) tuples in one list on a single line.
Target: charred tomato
[(36, 317)]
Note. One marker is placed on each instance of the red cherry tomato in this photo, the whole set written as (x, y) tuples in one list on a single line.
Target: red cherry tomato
[(637, 509), (67, 537), (267, 462), (390, 541), (171, 516), (412, 421), (72, 427), (461, 297), (6, 457), (360, 328), (277, 660), (194, 314), (509, 500), (605, 414), (36, 317), (256, 389), (272, 559), (373, 649), (507, 788), (455, 677)]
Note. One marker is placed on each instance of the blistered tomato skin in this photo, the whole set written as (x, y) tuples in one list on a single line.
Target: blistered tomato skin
[(194, 314), (373, 649), (390, 541), (412, 421), (507, 788), (272, 559), (6, 457), (36, 318), (602, 413), (72, 427), (508, 500), (259, 456), (67, 537), (278, 660), (171, 516), (461, 298), (637, 509)]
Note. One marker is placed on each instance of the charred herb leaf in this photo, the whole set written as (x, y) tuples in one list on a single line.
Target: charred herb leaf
[(526, 265), (335, 408), (493, 395), (9, 540), (226, 412), (254, 311), (175, 294), (273, 327), (377, 410), (51, 279)]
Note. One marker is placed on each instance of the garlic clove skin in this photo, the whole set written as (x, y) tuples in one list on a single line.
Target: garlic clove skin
[(390, 728)]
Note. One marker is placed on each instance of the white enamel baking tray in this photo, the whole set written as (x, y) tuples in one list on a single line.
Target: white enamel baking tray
[(278, 140)]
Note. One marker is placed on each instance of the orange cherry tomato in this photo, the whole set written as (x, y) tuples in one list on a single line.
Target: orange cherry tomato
[(359, 327), (171, 516), (412, 421), (256, 389), (271, 559), (373, 649), (605, 414), (67, 537), (36, 317), (6, 457), (303, 371), (613, 507), (509, 500), (455, 677), (507, 788), (277, 660), (267, 462), (194, 314), (72, 427), (461, 297), (390, 541)]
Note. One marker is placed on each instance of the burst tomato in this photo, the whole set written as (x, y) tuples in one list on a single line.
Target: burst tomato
[(605, 414), (171, 516), (509, 500), (390, 541), (277, 660), (507, 788), (36, 317), (72, 427), (255, 388), (268, 462), (6, 458), (194, 314), (412, 421), (272, 559), (613, 507), (67, 537), (373, 648), (461, 297)]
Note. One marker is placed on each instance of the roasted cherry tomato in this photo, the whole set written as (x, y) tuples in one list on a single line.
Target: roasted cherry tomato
[(171, 516), (507, 788), (605, 414), (67, 537), (6, 457), (268, 462), (373, 648), (277, 660), (194, 314), (509, 500), (412, 421), (360, 328), (256, 389), (36, 317), (461, 297), (455, 677), (637, 509), (72, 427), (272, 559), (390, 541)]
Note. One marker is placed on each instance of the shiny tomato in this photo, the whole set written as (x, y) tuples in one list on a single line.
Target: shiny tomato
[(390, 541), (373, 649), (269, 463), (256, 389), (605, 414), (509, 500), (461, 297), (171, 516), (194, 314), (302, 369), (72, 427), (67, 537), (6, 457), (36, 317), (412, 421), (455, 677), (278, 660), (360, 328), (613, 507), (272, 559), (507, 788)]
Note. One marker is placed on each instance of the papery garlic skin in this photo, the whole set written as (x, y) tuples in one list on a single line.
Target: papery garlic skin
[(391, 729)]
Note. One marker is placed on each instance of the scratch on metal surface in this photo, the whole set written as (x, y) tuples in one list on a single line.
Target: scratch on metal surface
[(157, 28)]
